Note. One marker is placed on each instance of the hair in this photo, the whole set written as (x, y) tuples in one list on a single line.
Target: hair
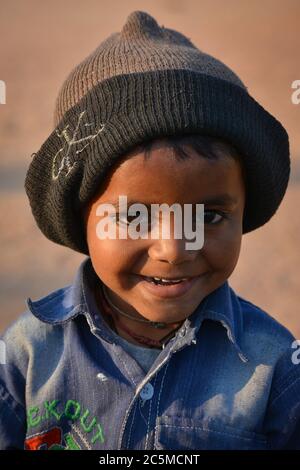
[(206, 146)]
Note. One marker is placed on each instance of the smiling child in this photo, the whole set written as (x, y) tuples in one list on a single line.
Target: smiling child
[(149, 347)]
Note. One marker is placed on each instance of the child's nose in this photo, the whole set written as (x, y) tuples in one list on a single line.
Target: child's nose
[(171, 250)]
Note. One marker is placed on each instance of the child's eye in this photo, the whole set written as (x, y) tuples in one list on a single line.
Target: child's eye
[(125, 219), (210, 218), (213, 217)]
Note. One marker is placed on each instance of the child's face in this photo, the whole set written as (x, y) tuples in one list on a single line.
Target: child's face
[(122, 263)]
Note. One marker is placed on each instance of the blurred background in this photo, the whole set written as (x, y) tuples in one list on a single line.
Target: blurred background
[(42, 41)]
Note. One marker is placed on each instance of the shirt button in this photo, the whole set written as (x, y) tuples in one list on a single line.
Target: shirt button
[(147, 392)]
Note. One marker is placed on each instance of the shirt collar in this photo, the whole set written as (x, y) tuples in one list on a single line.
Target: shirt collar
[(223, 306), (66, 303)]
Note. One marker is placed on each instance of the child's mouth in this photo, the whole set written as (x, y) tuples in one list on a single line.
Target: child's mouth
[(168, 287)]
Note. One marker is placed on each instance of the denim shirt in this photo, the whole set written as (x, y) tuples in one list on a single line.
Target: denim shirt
[(225, 380), (145, 356)]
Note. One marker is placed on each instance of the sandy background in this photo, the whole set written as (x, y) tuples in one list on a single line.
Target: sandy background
[(42, 41)]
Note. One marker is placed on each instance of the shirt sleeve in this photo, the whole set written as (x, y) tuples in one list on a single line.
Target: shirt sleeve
[(12, 394), (12, 421), (282, 421)]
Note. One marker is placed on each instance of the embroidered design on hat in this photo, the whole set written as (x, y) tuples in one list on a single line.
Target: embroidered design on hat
[(69, 141)]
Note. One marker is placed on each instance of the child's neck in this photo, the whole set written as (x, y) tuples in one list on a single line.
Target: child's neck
[(132, 330)]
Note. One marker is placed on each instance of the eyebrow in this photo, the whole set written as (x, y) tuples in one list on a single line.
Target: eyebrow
[(220, 200)]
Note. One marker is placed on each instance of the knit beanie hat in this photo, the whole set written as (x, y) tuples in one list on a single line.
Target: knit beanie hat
[(143, 83)]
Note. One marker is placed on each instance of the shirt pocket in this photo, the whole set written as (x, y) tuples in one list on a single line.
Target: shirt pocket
[(178, 433)]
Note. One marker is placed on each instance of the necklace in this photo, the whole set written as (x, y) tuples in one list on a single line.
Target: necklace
[(141, 320), (113, 319)]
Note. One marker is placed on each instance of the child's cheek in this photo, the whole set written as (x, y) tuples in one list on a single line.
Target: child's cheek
[(222, 248), (117, 256)]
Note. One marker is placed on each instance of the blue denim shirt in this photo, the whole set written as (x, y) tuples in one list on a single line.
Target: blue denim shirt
[(226, 380)]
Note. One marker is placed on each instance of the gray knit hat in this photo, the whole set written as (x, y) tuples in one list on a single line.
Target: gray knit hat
[(143, 83)]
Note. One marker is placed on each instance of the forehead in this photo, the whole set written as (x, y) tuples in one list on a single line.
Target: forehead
[(162, 177)]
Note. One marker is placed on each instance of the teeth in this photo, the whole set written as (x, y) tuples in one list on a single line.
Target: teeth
[(168, 281)]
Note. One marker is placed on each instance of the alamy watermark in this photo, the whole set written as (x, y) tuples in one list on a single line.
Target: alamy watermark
[(296, 94), (296, 100), (192, 224), (2, 92), (2, 352), (296, 354)]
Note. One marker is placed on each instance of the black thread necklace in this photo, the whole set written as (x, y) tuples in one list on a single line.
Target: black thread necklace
[(155, 324)]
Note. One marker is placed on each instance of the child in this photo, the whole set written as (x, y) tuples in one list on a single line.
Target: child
[(149, 347)]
